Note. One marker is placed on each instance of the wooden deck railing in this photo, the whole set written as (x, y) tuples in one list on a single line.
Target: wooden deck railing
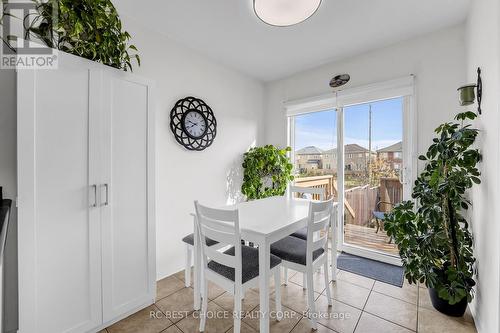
[(360, 201), (323, 182), (329, 184)]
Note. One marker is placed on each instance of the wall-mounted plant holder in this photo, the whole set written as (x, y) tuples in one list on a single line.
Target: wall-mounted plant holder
[(467, 93), (479, 90)]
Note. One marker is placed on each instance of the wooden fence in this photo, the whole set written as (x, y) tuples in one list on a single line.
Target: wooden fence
[(363, 200)]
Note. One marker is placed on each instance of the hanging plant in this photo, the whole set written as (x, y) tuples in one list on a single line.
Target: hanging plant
[(90, 29), (267, 171)]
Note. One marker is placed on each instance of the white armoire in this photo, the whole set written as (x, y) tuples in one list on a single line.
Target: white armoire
[(86, 195)]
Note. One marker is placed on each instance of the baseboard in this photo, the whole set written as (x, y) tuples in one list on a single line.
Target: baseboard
[(123, 316), (473, 309)]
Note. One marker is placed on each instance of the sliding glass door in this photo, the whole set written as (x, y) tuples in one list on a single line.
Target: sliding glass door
[(373, 163), (359, 154)]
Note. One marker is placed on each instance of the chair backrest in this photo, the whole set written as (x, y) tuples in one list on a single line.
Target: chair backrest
[(384, 206), (308, 192), (320, 216), (222, 226)]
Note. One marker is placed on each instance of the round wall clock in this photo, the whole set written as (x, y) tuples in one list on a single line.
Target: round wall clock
[(193, 123)]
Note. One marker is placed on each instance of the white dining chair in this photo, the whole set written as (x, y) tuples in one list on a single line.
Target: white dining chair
[(189, 250), (236, 269), (305, 193), (308, 255)]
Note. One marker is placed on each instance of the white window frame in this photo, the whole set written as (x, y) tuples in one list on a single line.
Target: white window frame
[(402, 87)]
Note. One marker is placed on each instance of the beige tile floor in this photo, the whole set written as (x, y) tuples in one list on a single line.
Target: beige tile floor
[(360, 305)]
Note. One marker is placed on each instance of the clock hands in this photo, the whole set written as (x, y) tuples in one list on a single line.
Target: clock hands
[(193, 124)]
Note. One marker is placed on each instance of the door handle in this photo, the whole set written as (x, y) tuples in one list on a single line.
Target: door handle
[(106, 202), (95, 196)]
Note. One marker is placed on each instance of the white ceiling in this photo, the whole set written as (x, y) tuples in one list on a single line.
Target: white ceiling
[(228, 32)]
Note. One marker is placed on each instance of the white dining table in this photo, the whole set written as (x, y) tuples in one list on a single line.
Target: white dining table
[(264, 222)]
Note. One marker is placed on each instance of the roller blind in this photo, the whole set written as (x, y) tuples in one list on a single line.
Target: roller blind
[(351, 96)]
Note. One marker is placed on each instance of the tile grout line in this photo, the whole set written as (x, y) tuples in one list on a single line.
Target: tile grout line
[(399, 299), (363, 309), (350, 305), (183, 287), (319, 295), (296, 324), (390, 321), (179, 328), (418, 307), (174, 323)]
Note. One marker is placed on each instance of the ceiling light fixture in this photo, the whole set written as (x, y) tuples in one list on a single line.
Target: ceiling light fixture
[(283, 13), (339, 80)]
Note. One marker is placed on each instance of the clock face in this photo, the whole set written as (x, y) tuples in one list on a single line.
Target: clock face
[(195, 124)]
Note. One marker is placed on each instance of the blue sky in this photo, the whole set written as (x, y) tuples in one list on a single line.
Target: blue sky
[(320, 128)]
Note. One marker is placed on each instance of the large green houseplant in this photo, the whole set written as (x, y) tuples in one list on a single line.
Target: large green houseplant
[(433, 238), (267, 172), (90, 29)]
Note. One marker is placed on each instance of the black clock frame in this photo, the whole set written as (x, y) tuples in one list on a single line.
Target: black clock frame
[(177, 116)]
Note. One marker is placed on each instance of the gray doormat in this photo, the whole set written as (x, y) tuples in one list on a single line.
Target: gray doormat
[(372, 269)]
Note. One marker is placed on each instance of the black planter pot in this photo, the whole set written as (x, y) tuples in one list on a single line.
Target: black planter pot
[(455, 310)]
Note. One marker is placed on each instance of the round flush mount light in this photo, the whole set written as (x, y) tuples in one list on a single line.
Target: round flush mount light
[(283, 13)]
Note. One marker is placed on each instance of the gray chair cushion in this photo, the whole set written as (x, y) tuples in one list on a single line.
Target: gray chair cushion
[(379, 215), (293, 249), (189, 239), (302, 234), (250, 264)]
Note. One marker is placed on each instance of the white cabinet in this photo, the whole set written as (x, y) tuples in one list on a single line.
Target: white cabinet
[(86, 196)]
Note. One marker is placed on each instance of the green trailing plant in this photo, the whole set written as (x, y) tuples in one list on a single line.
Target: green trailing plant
[(90, 29), (434, 240), (267, 172)]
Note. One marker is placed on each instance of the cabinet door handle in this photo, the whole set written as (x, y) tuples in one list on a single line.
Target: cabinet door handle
[(106, 203), (95, 196)]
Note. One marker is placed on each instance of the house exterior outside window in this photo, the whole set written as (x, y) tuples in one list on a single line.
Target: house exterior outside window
[(393, 155), (312, 158)]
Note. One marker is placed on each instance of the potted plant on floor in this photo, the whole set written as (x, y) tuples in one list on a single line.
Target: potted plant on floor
[(434, 240)]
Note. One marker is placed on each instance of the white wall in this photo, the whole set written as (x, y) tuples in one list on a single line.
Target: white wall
[(483, 50), (212, 176), (8, 133), (437, 60)]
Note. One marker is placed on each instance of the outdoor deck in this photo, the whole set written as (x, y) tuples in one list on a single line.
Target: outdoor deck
[(360, 202), (367, 238)]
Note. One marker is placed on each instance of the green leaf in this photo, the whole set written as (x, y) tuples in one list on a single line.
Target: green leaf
[(261, 163), (88, 28)]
